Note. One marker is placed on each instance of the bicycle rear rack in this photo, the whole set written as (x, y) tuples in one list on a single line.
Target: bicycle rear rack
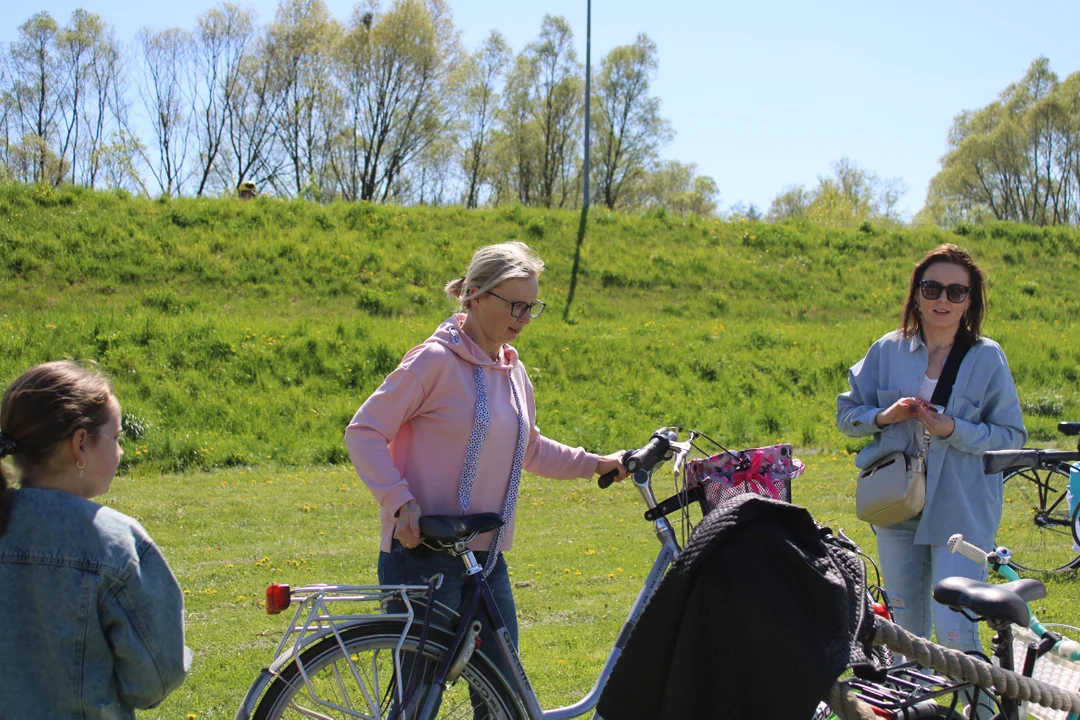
[(329, 610)]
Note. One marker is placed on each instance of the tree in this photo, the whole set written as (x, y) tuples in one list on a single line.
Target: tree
[(626, 121), (300, 50), (793, 202), (35, 93), (396, 72), (557, 93), (1015, 159), (167, 96), (250, 116), (222, 40), (483, 71), (517, 142), (679, 189), (848, 197), (75, 48), (106, 110)]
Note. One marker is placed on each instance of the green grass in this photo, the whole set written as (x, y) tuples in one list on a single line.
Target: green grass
[(247, 334)]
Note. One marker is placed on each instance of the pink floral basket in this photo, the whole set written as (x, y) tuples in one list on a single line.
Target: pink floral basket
[(766, 471)]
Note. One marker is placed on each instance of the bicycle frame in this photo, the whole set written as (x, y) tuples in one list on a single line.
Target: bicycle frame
[(481, 594)]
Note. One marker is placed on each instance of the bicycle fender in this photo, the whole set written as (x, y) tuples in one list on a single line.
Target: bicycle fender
[(254, 693)]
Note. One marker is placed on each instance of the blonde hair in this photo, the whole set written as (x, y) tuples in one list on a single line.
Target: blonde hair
[(491, 266)]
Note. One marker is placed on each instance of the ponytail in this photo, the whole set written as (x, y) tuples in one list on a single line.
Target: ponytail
[(455, 290)]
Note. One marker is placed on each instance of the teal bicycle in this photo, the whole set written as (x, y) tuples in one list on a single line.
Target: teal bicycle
[(1043, 649)]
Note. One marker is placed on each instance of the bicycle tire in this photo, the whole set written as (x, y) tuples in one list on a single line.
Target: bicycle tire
[(1075, 530), (370, 645), (1035, 521)]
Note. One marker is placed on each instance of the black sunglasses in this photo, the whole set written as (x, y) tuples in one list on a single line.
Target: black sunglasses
[(518, 309), (931, 290)]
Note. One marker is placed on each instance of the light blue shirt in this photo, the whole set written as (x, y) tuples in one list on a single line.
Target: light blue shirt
[(92, 620), (983, 404)]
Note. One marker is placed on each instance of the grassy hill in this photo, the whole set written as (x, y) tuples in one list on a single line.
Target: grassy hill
[(246, 334)]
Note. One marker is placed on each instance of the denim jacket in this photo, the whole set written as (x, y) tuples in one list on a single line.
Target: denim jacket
[(92, 621), (983, 404)]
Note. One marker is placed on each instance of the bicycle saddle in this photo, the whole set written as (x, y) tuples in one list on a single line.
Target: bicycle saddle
[(1007, 601), (1069, 428), (451, 528)]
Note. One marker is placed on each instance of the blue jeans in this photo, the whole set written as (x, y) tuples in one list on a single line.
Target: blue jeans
[(401, 566), (910, 573)]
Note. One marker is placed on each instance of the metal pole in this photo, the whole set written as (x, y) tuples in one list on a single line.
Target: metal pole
[(585, 200), (588, 90)]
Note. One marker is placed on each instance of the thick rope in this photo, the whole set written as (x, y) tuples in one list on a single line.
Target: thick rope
[(846, 705), (958, 665)]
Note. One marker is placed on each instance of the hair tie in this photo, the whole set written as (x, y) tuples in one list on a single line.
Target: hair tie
[(7, 446)]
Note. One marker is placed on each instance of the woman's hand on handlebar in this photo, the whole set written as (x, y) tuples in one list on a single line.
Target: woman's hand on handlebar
[(612, 462), (408, 524)]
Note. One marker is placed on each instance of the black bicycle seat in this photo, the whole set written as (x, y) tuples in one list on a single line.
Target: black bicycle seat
[(451, 528), (1069, 428), (1007, 601)]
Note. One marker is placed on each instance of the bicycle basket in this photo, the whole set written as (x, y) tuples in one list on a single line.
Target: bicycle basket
[(766, 471), (1050, 668)]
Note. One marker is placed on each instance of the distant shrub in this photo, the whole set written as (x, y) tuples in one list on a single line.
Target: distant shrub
[(1047, 403)]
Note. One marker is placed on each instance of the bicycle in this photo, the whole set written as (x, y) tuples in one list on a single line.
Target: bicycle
[(909, 690), (1038, 638), (1036, 523), (361, 661)]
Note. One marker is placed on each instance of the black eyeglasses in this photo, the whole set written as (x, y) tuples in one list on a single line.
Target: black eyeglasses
[(931, 290), (518, 309)]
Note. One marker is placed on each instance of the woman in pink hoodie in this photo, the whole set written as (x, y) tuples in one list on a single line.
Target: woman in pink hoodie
[(451, 429)]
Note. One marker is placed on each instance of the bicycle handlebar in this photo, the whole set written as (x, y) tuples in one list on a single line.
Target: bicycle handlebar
[(1066, 648), (645, 458), (995, 461)]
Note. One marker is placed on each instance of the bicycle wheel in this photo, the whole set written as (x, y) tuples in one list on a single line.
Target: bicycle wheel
[(322, 684), (1035, 522)]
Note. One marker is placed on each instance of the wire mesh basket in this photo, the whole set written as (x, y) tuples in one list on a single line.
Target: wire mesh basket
[(766, 471), (1050, 668)]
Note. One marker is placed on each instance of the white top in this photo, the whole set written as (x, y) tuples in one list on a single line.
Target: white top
[(926, 389)]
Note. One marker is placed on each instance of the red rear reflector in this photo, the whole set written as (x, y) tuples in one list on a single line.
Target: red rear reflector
[(278, 598)]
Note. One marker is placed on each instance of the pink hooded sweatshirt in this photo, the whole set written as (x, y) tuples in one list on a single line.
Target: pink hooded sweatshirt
[(408, 439)]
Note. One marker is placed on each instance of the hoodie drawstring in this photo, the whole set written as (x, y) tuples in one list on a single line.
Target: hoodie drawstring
[(481, 423)]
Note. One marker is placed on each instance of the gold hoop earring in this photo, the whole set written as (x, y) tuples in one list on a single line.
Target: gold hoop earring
[(82, 466)]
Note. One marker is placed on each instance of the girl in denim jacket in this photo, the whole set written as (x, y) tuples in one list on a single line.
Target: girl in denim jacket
[(93, 624)]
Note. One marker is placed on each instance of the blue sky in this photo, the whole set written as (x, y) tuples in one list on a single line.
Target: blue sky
[(766, 94)]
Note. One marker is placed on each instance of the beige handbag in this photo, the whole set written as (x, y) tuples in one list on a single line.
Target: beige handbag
[(893, 489)]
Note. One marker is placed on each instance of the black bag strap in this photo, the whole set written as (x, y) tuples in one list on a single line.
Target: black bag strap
[(948, 373)]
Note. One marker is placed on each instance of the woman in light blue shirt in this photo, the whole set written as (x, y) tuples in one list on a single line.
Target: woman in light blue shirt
[(890, 399), (93, 619)]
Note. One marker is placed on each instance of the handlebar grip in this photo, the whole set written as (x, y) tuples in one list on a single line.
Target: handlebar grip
[(607, 479), (647, 456), (957, 544), (995, 461)]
